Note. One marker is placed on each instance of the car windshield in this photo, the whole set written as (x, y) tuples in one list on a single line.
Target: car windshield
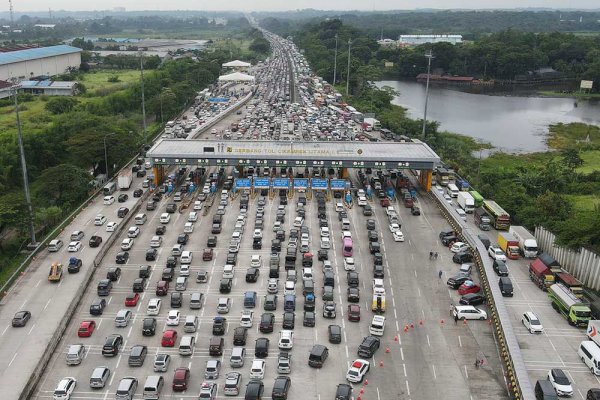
[(561, 379), (353, 373), (535, 321)]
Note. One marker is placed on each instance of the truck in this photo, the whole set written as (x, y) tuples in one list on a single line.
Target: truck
[(482, 219), (378, 304), (124, 180), (574, 285), (527, 244), (466, 202), (509, 245), (541, 275), (371, 124), (593, 331), (570, 306), (55, 272)]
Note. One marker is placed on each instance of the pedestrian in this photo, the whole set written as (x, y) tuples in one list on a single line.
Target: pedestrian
[(455, 319), (451, 309), (430, 255), (435, 255), (440, 274), (477, 363)]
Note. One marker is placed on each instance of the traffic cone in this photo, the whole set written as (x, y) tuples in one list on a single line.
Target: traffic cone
[(412, 325), (396, 338), (405, 328), (442, 322), (387, 349), (359, 398), (362, 391), (464, 321), (420, 322), (366, 382), (381, 363)]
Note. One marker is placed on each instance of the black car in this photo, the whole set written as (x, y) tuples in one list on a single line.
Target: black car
[(171, 262), (74, 265), (472, 299), (257, 244), (374, 247), (20, 319), (231, 258), (455, 281), (267, 320), (281, 388), (151, 254), (378, 259), (367, 210), (261, 348), (167, 274), (171, 208), (149, 326), (112, 345), (353, 294), (446, 233), (252, 274), (97, 307), (183, 238), (122, 198), (335, 333), (309, 318), (211, 241), (352, 278), (144, 271), (323, 223), (275, 245), (160, 230), (113, 274), (239, 336), (463, 257), (95, 241), (370, 224), (219, 326), (122, 212), (139, 284), (415, 210), (373, 236), (500, 268), (343, 392), (122, 257), (138, 193), (378, 271), (322, 255), (254, 390), (289, 320), (176, 299)]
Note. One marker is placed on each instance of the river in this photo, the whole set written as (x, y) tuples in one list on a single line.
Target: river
[(510, 123)]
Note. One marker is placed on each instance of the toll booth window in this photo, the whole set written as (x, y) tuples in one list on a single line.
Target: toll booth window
[(209, 149)]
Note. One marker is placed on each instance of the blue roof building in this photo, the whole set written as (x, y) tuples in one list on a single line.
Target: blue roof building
[(47, 61)]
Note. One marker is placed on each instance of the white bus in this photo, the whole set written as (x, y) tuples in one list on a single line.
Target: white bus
[(452, 190)]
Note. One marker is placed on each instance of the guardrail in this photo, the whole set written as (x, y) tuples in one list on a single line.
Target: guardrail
[(519, 385)]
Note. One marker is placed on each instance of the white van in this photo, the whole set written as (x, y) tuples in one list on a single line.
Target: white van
[(238, 354), (377, 325), (186, 345), (589, 352), (452, 190), (141, 219), (345, 224), (461, 213), (153, 387), (191, 324), (55, 245)]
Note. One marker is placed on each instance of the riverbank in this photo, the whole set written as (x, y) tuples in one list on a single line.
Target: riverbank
[(570, 95)]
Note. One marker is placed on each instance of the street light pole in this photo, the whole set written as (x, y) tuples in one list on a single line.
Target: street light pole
[(429, 56), (143, 99), (335, 59), (348, 75), (106, 155), (24, 169)]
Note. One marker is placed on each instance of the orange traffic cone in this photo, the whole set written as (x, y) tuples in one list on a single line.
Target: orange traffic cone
[(396, 338), (366, 382), (420, 322), (362, 391), (464, 321), (381, 363), (412, 325), (387, 349), (442, 322)]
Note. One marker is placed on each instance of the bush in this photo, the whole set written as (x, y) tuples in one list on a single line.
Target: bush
[(114, 79)]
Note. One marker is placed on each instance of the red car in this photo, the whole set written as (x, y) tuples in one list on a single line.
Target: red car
[(132, 299), (385, 202), (469, 287), (353, 312), (86, 328), (180, 379), (169, 338), (207, 255)]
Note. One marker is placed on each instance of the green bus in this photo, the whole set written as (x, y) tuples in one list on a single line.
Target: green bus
[(477, 197), (500, 218)]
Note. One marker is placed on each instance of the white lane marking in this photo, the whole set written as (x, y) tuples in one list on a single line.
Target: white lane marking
[(23, 305), (31, 330), (459, 342), (347, 354), (12, 359), (37, 284), (5, 329), (407, 388), (466, 373), (47, 303), (402, 356), (419, 292), (404, 368), (428, 342), (415, 273), (378, 397), (434, 375), (397, 326)]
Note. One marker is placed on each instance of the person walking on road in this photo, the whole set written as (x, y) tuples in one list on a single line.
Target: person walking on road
[(477, 363), (430, 255), (451, 309), (440, 274), (456, 319)]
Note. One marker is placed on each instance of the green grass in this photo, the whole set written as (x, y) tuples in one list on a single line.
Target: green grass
[(566, 135), (32, 114), (584, 202), (591, 161), (95, 80)]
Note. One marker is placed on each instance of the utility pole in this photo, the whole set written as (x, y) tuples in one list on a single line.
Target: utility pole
[(348, 75), (429, 56), (106, 155), (24, 169), (143, 99), (335, 59)]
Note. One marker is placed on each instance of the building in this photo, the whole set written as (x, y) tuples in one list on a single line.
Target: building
[(237, 65), (415, 40), (387, 43), (50, 88), (42, 61), (5, 89)]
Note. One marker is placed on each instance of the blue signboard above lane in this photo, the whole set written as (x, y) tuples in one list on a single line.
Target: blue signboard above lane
[(242, 183), (281, 183), (319, 184), (262, 183), (300, 183), (337, 184)]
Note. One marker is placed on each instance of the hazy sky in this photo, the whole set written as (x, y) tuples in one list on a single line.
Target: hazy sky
[(262, 5)]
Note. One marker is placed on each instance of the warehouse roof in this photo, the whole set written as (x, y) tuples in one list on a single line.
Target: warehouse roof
[(34, 54)]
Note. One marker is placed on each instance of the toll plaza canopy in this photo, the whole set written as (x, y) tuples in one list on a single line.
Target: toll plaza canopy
[(389, 155), (236, 77)]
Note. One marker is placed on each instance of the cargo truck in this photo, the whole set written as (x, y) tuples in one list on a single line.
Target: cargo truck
[(527, 244), (509, 245), (571, 307), (571, 282), (482, 219), (541, 275), (466, 202), (378, 304), (124, 179), (593, 331), (55, 272)]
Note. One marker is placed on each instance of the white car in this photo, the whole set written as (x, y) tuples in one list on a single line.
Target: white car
[(256, 261), (127, 244), (307, 273), (154, 306), (108, 200), (325, 243), (165, 218), (324, 231), (398, 236), (198, 205), (186, 257), (184, 270), (228, 271), (100, 220), (193, 217), (448, 199), (378, 287), (560, 382), (339, 207), (290, 288), (532, 322), (236, 237), (246, 319), (273, 285), (286, 340), (74, 246), (234, 247), (358, 370), (257, 371), (362, 201), (469, 312), (64, 389), (156, 241), (133, 232), (257, 234), (457, 247), (111, 226), (276, 226), (394, 227), (298, 222), (173, 318), (346, 234), (349, 264), (496, 253)]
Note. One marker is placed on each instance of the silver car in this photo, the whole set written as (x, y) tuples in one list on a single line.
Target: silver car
[(212, 369)]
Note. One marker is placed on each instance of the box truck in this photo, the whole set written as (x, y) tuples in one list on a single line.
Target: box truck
[(466, 202), (569, 305), (527, 243), (124, 179), (509, 245)]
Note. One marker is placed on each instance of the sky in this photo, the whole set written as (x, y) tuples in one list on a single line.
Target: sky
[(281, 5)]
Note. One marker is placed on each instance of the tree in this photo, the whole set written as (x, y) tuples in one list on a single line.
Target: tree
[(571, 158), (61, 104), (69, 185)]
